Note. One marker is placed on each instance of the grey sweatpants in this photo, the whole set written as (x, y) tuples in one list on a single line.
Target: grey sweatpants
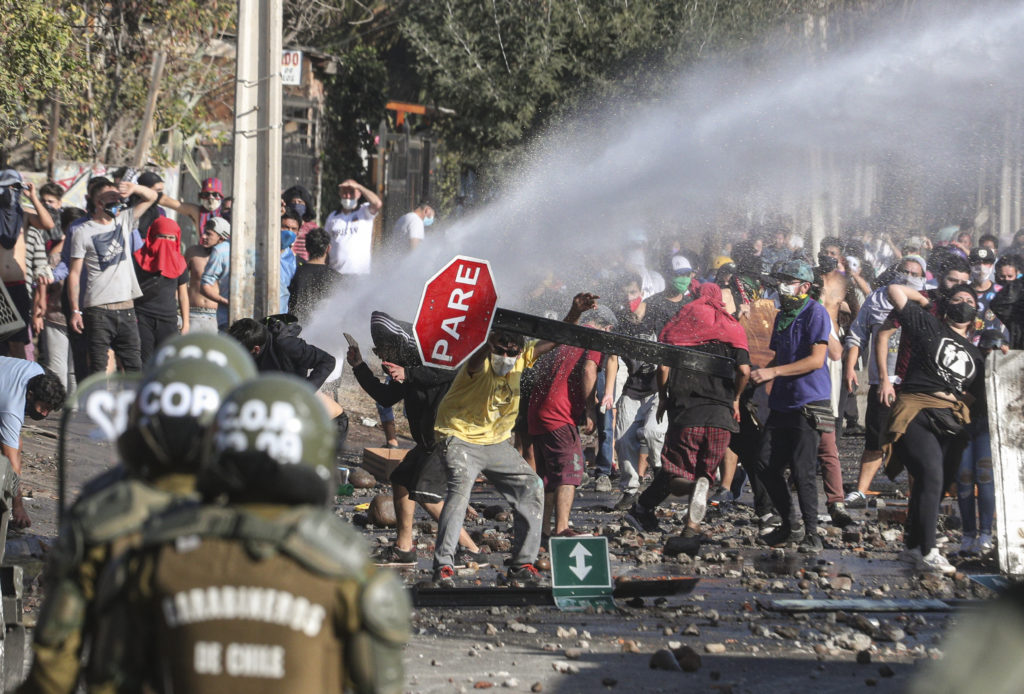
[(636, 428), (502, 465)]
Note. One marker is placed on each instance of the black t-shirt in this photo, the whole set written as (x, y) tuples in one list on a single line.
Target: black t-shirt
[(159, 293), (940, 359), (698, 399), (310, 284), (642, 378), (660, 310)]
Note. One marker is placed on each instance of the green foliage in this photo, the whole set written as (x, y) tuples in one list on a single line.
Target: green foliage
[(355, 101), (37, 57)]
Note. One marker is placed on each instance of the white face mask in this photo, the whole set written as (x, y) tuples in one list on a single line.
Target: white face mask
[(210, 204), (502, 365), (982, 273), (349, 204), (788, 289), (916, 283)]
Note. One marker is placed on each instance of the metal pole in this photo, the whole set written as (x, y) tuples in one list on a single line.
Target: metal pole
[(243, 211), (51, 144), (268, 161), (142, 145)]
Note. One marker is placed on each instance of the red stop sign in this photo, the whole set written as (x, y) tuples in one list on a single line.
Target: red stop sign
[(455, 313)]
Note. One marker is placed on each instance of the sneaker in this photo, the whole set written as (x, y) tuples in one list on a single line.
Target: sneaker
[(603, 484), (444, 576), (721, 495), (934, 562), (911, 556), (968, 545), (784, 535), (392, 556), (839, 515), (984, 544), (463, 557), (811, 544), (856, 499), (644, 521), (627, 500), (524, 576), (768, 522), (699, 501)]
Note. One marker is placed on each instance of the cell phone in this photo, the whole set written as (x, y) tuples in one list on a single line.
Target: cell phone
[(351, 340)]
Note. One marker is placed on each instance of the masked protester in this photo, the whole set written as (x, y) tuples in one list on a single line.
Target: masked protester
[(800, 405), (926, 433), (298, 201), (163, 278), (351, 229)]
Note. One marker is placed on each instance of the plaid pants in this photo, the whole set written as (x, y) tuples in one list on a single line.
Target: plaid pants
[(691, 452)]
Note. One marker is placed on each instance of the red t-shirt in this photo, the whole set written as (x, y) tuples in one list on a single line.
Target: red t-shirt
[(556, 399)]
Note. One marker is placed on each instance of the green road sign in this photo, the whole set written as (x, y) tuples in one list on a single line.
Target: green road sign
[(581, 575)]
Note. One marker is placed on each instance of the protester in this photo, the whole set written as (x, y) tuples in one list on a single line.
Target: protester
[(279, 348), (799, 402), (202, 311), (100, 251), (299, 202), (215, 282), (25, 389), (289, 232), (163, 278), (926, 426), (211, 199), (351, 229), (409, 229), (702, 409), (474, 423), (562, 399), (420, 477), (314, 280)]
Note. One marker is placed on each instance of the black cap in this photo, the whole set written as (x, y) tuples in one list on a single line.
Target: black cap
[(149, 179), (983, 254)]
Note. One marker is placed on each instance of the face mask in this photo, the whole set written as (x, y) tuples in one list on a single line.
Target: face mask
[(961, 313), (210, 204), (634, 303), (502, 365), (788, 289), (792, 301), (427, 221), (349, 204), (114, 208), (981, 273), (682, 283), (917, 283), (299, 208)]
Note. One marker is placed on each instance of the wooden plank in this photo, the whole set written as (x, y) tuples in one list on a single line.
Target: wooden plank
[(856, 605), (381, 462), (612, 343), (1004, 384)]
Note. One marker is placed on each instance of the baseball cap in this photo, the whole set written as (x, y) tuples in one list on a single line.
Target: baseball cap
[(220, 226), (796, 270), (212, 185), (10, 177), (680, 264), (600, 314), (982, 255)]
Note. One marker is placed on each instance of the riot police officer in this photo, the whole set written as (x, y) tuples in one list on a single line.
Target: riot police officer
[(160, 452), (271, 592)]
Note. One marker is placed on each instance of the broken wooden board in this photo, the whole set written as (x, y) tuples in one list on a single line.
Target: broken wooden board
[(381, 462), (490, 596)]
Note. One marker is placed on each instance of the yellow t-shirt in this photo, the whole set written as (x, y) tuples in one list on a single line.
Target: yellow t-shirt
[(481, 408)]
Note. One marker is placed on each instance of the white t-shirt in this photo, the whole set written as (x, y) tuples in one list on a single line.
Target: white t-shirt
[(351, 240), (106, 250), (408, 226)]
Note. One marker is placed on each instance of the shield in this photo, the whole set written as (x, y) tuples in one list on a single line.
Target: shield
[(94, 417)]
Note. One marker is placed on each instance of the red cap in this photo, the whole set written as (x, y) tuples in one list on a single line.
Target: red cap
[(213, 185)]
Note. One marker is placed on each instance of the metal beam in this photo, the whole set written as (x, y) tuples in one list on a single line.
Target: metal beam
[(612, 343)]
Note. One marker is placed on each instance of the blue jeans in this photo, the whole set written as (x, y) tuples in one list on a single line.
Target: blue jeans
[(603, 462), (976, 469)]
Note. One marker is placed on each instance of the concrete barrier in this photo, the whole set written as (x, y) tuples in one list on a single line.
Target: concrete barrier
[(1004, 383)]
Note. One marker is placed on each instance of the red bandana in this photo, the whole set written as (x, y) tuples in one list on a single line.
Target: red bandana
[(704, 320), (162, 255)]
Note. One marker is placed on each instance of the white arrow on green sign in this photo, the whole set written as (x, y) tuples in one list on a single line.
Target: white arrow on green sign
[(581, 574)]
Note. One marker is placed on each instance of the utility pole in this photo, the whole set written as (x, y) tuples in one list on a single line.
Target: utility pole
[(146, 132), (256, 188)]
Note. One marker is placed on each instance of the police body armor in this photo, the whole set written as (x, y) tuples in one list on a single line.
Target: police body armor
[(271, 598)]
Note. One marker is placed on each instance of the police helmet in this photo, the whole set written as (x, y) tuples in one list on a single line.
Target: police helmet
[(174, 404), (219, 349), (271, 442)]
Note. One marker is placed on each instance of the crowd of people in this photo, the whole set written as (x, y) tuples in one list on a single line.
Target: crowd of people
[(781, 336)]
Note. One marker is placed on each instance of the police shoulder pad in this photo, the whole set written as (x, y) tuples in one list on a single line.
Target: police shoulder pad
[(324, 543), (188, 517), (118, 510)]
